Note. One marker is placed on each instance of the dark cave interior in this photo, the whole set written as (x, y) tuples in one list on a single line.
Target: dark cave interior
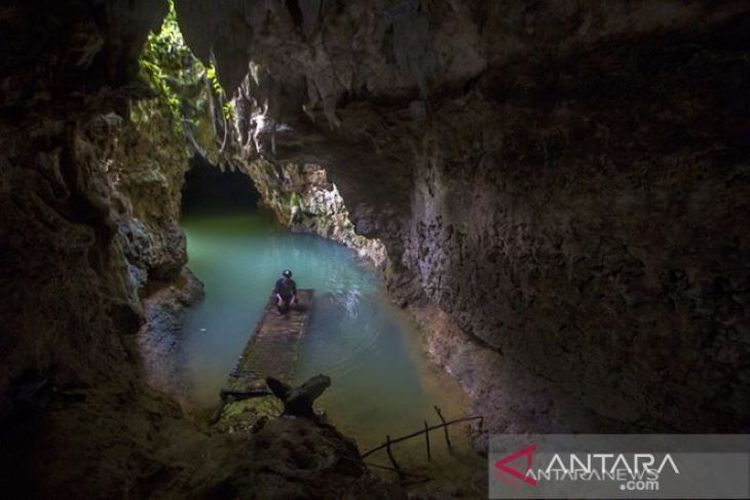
[(208, 189)]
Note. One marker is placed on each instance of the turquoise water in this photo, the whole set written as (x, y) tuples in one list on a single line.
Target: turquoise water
[(381, 382)]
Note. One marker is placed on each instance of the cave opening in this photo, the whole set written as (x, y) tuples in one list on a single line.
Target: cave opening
[(210, 189)]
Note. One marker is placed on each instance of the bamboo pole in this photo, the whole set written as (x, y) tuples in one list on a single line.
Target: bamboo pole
[(427, 440), (216, 415), (406, 474), (390, 456), (419, 433), (445, 428), (246, 394)]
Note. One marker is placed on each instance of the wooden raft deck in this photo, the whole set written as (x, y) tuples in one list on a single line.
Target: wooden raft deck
[(274, 347)]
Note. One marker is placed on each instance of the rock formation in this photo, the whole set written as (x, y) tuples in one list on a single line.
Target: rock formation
[(305, 200), (565, 181), (89, 249)]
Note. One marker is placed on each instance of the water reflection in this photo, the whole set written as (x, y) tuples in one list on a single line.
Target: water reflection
[(381, 381)]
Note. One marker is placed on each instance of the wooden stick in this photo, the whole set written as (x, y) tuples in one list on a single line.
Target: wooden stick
[(390, 456), (216, 415), (239, 395), (418, 433), (427, 440), (385, 467), (445, 428)]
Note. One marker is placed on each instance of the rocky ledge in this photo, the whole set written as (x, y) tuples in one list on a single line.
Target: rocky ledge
[(159, 339)]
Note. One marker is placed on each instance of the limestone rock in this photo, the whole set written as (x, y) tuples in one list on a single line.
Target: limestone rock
[(568, 186)]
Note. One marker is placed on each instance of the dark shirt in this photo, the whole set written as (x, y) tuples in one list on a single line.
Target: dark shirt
[(286, 290)]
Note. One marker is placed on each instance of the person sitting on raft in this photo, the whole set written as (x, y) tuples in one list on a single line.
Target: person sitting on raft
[(285, 292)]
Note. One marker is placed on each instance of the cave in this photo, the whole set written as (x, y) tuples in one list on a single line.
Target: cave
[(209, 188), (553, 194)]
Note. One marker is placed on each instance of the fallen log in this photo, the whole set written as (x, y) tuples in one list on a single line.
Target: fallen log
[(239, 395), (298, 401)]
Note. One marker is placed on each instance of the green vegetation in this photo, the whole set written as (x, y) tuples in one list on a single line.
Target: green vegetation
[(179, 79), (226, 108)]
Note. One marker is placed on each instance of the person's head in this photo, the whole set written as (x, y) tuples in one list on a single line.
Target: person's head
[(287, 274)]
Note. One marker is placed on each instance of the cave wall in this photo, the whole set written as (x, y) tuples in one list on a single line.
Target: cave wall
[(587, 162), (305, 200), (75, 413), (146, 166), (567, 180), (600, 239), (92, 172), (89, 248), (64, 266)]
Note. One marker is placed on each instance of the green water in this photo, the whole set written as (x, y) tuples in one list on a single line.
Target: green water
[(381, 382)]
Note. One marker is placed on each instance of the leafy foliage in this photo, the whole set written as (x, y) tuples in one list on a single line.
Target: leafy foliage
[(178, 77), (227, 109)]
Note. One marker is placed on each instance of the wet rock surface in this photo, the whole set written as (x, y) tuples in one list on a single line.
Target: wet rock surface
[(298, 401), (160, 338), (511, 398)]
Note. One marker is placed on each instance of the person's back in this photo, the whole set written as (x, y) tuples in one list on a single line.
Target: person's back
[(285, 291), (286, 288)]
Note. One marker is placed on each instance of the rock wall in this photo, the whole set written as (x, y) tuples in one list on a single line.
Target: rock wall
[(601, 234), (90, 194), (67, 296), (565, 180), (147, 168), (146, 160), (88, 203), (305, 200), (68, 369)]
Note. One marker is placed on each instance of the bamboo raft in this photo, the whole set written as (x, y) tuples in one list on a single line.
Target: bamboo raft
[(273, 349)]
